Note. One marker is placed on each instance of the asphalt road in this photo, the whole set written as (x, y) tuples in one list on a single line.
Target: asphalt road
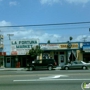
[(43, 80)]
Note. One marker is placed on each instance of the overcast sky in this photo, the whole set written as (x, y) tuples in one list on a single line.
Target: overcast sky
[(35, 12)]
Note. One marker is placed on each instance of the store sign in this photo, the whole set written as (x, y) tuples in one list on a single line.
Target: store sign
[(86, 46), (49, 46), (21, 47), (2, 53), (65, 46), (57, 46)]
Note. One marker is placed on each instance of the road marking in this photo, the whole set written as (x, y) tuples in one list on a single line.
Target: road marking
[(43, 78), (51, 80), (55, 76), (23, 72)]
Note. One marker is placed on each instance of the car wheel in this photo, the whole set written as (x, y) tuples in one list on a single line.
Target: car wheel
[(66, 68), (50, 68), (84, 67), (31, 68)]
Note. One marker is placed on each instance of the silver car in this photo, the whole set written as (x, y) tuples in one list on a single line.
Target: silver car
[(76, 65)]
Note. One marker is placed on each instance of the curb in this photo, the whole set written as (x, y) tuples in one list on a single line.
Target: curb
[(12, 69)]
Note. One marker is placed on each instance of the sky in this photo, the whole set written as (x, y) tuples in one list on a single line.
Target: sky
[(38, 12)]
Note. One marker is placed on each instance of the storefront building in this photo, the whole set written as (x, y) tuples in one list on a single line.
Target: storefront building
[(61, 52), (19, 50)]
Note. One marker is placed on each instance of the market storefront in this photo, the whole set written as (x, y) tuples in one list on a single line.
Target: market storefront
[(19, 50)]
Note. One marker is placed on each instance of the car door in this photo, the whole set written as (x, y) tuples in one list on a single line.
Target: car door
[(74, 65), (80, 65), (38, 64), (44, 63)]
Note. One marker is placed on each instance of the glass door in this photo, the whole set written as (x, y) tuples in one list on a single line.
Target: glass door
[(62, 60), (8, 62)]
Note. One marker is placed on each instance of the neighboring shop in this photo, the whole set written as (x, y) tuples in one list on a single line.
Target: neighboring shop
[(69, 52), (50, 51), (86, 51), (61, 52)]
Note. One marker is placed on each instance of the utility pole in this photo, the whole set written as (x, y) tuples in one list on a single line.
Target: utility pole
[(84, 39), (9, 35)]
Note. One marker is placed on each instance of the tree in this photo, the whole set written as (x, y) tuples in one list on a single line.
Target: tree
[(34, 52), (70, 38), (48, 41), (69, 42)]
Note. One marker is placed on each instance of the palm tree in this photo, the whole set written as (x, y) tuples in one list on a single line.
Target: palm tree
[(48, 41), (70, 38), (69, 46)]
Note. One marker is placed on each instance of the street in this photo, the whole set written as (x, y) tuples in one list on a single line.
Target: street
[(44, 80)]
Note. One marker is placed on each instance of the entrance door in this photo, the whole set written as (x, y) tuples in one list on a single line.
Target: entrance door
[(1, 61), (56, 59), (62, 60), (8, 62)]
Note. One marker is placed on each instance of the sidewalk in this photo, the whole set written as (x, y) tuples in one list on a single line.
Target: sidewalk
[(13, 69)]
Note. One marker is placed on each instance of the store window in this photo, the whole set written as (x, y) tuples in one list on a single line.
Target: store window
[(61, 53)]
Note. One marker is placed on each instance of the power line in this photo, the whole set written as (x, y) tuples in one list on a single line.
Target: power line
[(48, 24), (41, 29)]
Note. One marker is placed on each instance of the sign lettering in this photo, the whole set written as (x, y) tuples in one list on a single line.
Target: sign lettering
[(22, 46), (65, 46)]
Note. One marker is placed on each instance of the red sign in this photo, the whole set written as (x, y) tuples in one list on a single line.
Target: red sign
[(14, 53), (2, 53)]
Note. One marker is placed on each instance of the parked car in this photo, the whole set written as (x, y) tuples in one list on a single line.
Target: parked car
[(76, 65), (42, 64)]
